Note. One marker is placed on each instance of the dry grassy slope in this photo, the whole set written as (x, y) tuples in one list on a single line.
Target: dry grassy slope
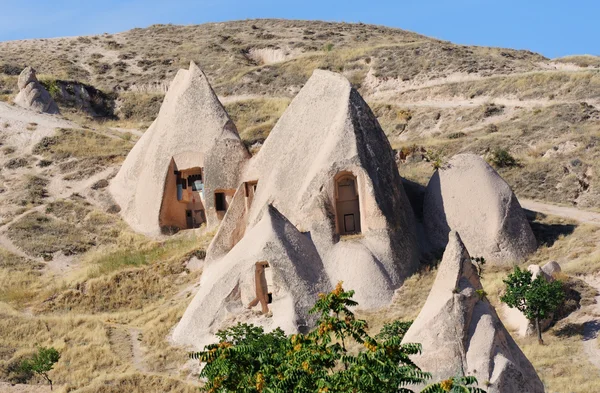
[(73, 275)]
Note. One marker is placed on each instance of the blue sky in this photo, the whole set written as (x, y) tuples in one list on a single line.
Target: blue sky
[(551, 27)]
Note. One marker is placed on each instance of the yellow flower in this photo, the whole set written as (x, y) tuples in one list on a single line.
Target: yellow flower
[(338, 289), (447, 385), (305, 365), (225, 344), (260, 382), (297, 347)]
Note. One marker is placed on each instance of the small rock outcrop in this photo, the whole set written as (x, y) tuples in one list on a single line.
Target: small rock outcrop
[(32, 95), (552, 268), (467, 195), (461, 333)]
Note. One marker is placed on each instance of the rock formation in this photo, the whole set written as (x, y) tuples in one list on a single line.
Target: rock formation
[(329, 170), (461, 333), (552, 268), (467, 195), (295, 278), (32, 95), (186, 167)]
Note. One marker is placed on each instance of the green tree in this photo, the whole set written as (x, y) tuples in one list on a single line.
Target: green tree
[(41, 363), (247, 359), (536, 299)]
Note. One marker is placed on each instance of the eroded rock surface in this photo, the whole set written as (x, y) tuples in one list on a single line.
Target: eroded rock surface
[(32, 95), (461, 333), (467, 195)]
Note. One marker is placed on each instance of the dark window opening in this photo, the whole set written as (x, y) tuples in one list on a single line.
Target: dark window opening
[(179, 185), (195, 181), (220, 204)]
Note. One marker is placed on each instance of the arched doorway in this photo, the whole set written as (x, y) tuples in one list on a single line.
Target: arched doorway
[(347, 206)]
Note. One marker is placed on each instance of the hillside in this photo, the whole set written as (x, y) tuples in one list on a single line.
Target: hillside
[(426, 92), (73, 275)]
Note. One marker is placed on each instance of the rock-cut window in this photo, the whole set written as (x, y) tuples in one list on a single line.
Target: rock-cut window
[(220, 203)]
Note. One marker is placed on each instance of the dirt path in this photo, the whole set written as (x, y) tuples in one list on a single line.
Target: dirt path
[(125, 342), (591, 328), (135, 336), (583, 216)]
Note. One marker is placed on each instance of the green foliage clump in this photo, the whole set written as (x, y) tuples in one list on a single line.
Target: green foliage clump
[(456, 135), (41, 363), (393, 329), (435, 158), (247, 359), (501, 158), (52, 86), (536, 299)]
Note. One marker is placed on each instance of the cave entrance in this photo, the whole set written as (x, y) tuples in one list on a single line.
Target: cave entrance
[(347, 205)]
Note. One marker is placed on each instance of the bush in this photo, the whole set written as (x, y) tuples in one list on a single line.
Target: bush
[(503, 159), (247, 359), (492, 128), (15, 163), (492, 110), (41, 363), (456, 135)]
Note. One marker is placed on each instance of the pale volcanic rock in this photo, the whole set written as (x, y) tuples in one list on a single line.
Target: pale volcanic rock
[(461, 333), (192, 130), (32, 95), (467, 195)]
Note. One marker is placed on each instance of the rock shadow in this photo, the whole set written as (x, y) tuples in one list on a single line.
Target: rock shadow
[(590, 330), (546, 233), (569, 330)]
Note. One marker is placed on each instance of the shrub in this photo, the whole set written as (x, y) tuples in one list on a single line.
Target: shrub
[(35, 189), (52, 86), (435, 158), (15, 163), (503, 159), (491, 128), (456, 135), (41, 363), (140, 106), (247, 359), (492, 110)]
